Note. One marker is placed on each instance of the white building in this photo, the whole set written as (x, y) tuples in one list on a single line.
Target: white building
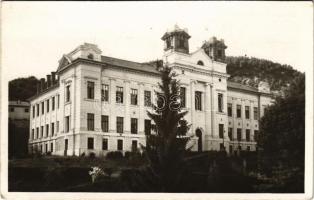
[(95, 103), (18, 110)]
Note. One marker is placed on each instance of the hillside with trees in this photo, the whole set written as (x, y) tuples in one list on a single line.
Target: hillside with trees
[(251, 71), (22, 88)]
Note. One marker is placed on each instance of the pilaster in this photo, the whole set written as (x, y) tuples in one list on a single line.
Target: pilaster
[(127, 102), (112, 116)]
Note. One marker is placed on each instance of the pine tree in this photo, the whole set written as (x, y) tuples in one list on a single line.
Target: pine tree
[(166, 146)]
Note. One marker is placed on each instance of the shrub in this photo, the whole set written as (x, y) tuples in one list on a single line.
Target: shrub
[(92, 155), (114, 155), (109, 171), (127, 154)]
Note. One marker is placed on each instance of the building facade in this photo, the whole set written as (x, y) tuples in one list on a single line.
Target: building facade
[(18, 110), (18, 129), (95, 103)]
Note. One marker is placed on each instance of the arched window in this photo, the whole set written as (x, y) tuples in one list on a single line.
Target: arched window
[(200, 63), (90, 56)]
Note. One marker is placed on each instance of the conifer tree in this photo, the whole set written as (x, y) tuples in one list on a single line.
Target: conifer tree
[(165, 147)]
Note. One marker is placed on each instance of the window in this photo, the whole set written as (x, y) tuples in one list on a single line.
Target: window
[(230, 109), (33, 134), (134, 145), (220, 102), (67, 93), (47, 130), (200, 63), (248, 148), (133, 125), (51, 147), (120, 145), (230, 133), (67, 124), (168, 43), (247, 112), (47, 103), (90, 89), (52, 129), (119, 95), (104, 123), (90, 143), (90, 121), (90, 56), (53, 103), (133, 96), (46, 148), (181, 43), (255, 113), (37, 105), (37, 132), (11, 109), (147, 98), (26, 110), (42, 131), (230, 149), (42, 108), (255, 135), (66, 144), (239, 134), (182, 96), (219, 53), (104, 144), (239, 111), (160, 100), (105, 93), (57, 126), (221, 131), (148, 127), (119, 124), (58, 99), (33, 111), (221, 146), (265, 109), (247, 134), (198, 100)]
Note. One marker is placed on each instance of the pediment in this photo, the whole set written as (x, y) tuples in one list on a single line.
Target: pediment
[(64, 61), (200, 55)]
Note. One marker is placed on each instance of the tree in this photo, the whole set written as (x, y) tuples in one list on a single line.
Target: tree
[(22, 88), (166, 145), (282, 137)]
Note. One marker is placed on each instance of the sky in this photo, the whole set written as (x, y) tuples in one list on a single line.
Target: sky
[(35, 35)]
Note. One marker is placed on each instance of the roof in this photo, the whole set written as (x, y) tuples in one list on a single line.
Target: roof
[(176, 30), (19, 103), (145, 67), (240, 86)]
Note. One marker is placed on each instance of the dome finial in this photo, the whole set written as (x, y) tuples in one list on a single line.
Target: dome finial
[(176, 26)]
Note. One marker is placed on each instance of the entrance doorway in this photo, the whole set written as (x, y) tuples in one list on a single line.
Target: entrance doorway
[(200, 142)]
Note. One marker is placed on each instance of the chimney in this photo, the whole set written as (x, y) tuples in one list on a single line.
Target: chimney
[(38, 87), (53, 78), (42, 84), (48, 80)]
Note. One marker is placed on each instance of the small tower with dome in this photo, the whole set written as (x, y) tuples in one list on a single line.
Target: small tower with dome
[(215, 49), (176, 39)]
